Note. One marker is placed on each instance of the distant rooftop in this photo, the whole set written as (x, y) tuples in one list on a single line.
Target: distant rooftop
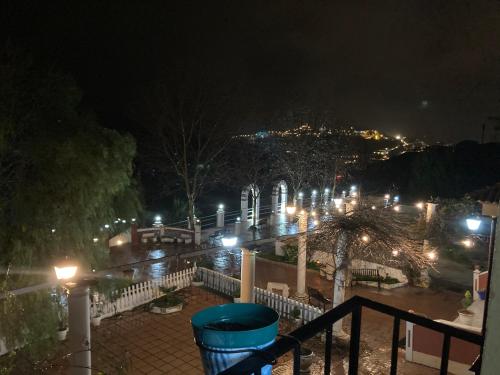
[(488, 194)]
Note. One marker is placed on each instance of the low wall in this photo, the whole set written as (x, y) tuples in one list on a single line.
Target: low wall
[(383, 270), (424, 346)]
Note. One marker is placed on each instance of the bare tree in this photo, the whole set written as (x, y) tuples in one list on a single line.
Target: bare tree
[(189, 138), (374, 235)]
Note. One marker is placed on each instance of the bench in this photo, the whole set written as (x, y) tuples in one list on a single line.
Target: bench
[(318, 296), (366, 273)]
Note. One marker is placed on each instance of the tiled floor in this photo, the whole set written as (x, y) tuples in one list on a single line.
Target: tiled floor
[(152, 344)]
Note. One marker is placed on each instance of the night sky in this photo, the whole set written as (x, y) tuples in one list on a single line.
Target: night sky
[(428, 69)]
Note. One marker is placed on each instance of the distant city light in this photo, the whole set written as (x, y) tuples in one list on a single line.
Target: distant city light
[(340, 210), (124, 221), (353, 188), (133, 220), (314, 192), (95, 239), (238, 219), (221, 206), (354, 202), (395, 253), (387, 196), (374, 207), (431, 255), (315, 222), (327, 190), (106, 226), (365, 238), (301, 195), (398, 137), (397, 208), (420, 205), (290, 210), (53, 230), (338, 202)]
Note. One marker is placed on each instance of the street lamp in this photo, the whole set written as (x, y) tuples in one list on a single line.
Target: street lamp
[(78, 317), (473, 223), (419, 205), (229, 242)]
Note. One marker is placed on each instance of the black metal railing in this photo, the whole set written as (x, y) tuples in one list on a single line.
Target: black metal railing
[(324, 323)]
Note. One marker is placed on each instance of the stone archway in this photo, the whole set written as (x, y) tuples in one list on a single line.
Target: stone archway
[(279, 205), (255, 192)]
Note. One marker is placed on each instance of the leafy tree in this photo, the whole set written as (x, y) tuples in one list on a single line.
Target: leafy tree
[(63, 176)]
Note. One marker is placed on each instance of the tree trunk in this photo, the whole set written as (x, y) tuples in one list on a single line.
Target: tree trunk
[(339, 281), (190, 212)]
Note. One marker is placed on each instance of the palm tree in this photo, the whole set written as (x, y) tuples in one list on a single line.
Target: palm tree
[(382, 236)]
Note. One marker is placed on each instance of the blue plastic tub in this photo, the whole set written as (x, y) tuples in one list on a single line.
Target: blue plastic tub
[(226, 334)]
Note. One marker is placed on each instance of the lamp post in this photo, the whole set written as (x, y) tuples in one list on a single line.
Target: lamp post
[(473, 224), (301, 294), (78, 318), (247, 270)]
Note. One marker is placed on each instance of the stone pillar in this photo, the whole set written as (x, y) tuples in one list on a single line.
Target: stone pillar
[(247, 276), (425, 280), (237, 227), (475, 283), (301, 294), (274, 201), (278, 248), (197, 232), (431, 210), (326, 197), (79, 330), (220, 216)]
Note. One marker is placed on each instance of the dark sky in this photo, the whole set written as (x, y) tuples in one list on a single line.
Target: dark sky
[(425, 68)]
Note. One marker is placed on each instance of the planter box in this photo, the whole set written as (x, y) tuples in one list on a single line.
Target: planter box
[(374, 284), (61, 335), (166, 310), (96, 321)]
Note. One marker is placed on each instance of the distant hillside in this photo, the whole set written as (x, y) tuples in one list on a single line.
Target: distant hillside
[(447, 172)]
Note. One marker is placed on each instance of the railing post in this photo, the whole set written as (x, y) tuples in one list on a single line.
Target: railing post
[(328, 350), (395, 341), (355, 337), (445, 354)]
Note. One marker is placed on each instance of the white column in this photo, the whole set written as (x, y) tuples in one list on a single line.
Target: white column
[(300, 200), (220, 216), (431, 210), (326, 197), (302, 257), (244, 206), (278, 248), (314, 196), (247, 275), (197, 232), (274, 202), (79, 330)]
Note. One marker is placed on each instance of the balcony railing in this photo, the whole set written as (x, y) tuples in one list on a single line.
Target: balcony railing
[(324, 323)]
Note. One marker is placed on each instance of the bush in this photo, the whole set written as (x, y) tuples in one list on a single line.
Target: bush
[(170, 298)]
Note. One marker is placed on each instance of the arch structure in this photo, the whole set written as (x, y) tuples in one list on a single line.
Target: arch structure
[(254, 191), (280, 190)]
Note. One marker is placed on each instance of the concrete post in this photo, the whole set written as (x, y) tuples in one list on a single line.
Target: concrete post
[(197, 232), (247, 276), (302, 258), (79, 330), (431, 210), (220, 216)]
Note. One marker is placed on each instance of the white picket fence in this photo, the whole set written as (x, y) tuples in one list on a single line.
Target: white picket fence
[(283, 305), (141, 293)]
